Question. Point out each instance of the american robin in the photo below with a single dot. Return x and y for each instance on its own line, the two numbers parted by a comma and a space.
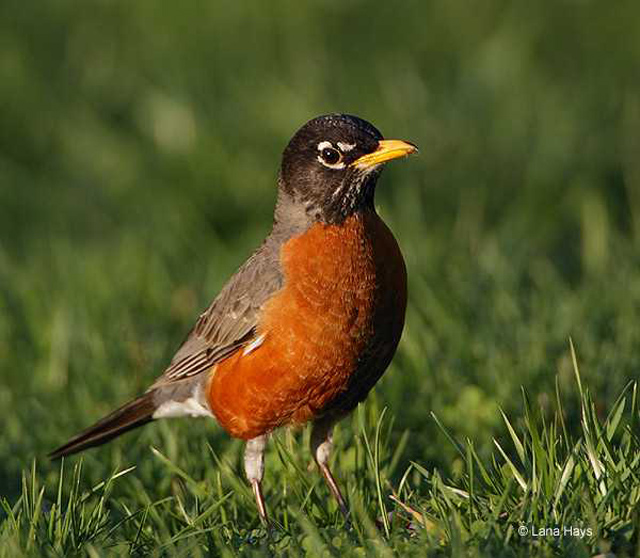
309, 322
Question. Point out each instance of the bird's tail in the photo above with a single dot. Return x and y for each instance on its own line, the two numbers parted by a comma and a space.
131, 415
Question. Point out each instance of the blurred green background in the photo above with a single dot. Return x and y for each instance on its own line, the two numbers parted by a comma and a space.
139, 146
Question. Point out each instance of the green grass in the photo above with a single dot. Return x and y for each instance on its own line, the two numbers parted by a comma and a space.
584, 484
138, 156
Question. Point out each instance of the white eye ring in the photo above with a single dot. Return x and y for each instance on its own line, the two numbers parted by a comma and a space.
328, 146
345, 147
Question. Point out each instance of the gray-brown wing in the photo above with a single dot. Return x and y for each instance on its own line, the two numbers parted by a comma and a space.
230, 321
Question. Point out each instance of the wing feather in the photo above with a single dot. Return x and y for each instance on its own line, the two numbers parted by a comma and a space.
230, 322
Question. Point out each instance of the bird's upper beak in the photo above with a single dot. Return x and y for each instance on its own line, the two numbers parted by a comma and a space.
387, 150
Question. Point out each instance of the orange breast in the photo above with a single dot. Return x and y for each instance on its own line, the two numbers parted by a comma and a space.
329, 333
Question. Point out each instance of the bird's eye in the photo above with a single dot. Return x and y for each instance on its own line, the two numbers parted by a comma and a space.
331, 155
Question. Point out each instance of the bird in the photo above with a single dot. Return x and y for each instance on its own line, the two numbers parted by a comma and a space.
307, 325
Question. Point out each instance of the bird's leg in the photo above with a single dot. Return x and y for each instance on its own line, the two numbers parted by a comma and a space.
254, 469
321, 444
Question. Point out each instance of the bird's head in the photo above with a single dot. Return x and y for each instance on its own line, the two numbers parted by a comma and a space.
332, 163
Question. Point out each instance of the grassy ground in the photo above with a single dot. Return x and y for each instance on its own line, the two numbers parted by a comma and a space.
138, 153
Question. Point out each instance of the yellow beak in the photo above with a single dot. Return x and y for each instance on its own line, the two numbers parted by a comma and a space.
387, 150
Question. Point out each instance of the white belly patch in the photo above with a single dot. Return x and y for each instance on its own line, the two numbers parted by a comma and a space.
190, 407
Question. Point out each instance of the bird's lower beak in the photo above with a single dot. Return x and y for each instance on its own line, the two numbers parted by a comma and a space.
387, 150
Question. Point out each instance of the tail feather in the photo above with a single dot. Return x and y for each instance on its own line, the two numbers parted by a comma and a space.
129, 416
